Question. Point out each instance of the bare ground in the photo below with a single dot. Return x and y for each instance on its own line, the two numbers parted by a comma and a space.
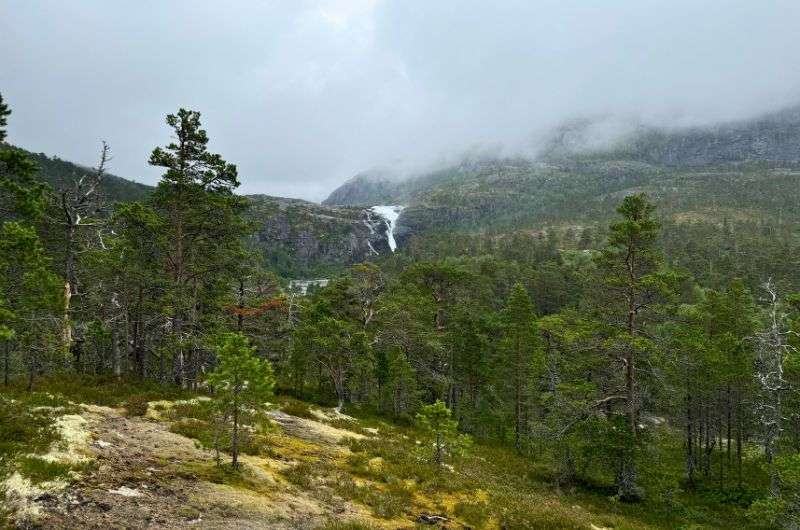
141, 477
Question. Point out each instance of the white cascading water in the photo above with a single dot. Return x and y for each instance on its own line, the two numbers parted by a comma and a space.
390, 214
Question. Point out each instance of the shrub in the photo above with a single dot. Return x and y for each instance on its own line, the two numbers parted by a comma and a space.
23, 430
297, 408
136, 405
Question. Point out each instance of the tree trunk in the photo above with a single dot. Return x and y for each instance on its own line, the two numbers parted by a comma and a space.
138, 350
739, 446
518, 397
689, 439
6, 360
116, 364
66, 325
235, 438
240, 314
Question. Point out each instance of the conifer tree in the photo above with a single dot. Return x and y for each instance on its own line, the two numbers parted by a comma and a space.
241, 382
204, 226
631, 283
520, 357
28, 287
435, 420
4, 113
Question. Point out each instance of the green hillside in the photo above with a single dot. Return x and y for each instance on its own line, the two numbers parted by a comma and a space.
58, 173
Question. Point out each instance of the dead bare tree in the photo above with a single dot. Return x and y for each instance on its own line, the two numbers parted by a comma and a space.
78, 204
772, 348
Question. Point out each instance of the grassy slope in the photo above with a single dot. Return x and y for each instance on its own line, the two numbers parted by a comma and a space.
377, 480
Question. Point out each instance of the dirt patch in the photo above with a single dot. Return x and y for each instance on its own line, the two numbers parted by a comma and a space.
311, 430
144, 476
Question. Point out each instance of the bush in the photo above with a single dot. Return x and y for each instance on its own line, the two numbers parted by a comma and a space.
136, 405
474, 513
297, 408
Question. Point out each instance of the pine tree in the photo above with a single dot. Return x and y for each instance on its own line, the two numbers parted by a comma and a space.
435, 421
4, 113
520, 358
629, 267
204, 226
241, 382
28, 287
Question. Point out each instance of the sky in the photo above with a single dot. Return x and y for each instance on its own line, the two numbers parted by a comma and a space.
303, 94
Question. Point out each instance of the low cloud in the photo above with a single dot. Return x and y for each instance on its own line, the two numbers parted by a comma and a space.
303, 94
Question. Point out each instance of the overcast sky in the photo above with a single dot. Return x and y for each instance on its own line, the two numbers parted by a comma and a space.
302, 94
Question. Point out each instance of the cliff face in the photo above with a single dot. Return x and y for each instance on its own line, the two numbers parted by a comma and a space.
299, 238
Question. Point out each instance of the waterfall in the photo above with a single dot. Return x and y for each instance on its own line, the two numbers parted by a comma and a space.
390, 215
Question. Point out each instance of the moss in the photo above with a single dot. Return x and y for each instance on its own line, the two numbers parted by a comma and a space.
38, 470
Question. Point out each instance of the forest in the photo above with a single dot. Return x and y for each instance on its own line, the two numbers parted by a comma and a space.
636, 366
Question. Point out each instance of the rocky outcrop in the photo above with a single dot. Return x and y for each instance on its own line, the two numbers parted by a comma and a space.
297, 237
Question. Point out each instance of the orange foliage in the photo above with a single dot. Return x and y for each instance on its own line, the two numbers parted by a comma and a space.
269, 305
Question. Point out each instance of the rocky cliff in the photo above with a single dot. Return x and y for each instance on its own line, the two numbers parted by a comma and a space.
299, 238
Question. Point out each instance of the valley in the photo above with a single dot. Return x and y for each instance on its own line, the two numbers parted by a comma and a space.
600, 336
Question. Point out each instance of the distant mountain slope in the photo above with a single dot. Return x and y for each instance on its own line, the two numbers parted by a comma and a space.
57, 172
772, 140
367, 188
295, 238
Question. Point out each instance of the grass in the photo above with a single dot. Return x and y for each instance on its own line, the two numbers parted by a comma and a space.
489, 487
346, 525
38, 470
197, 419
386, 501
210, 472
105, 390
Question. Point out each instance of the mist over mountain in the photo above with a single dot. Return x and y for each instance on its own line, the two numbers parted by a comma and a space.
306, 94
772, 138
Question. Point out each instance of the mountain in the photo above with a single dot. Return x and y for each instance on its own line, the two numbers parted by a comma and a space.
739, 169
772, 138
376, 186
295, 238
57, 172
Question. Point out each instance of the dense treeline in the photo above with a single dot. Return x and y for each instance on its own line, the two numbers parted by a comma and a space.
596, 350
